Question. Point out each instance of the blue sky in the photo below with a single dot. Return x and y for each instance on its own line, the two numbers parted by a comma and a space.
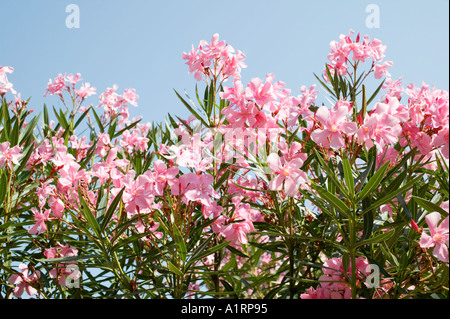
138, 44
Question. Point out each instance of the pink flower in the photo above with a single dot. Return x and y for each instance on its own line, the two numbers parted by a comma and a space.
289, 173
3, 71
61, 272
394, 88
9, 156
216, 58
132, 141
73, 79
108, 168
334, 283
71, 175
24, 281
40, 219
195, 187
162, 174
143, 228
334, 126
130, 96
5, 85
213, 209
381, 69
237, 232
56, 205
56, 86
379, 130
438, 237
261, 93
85, 90
139, 194
103, 144
235, 229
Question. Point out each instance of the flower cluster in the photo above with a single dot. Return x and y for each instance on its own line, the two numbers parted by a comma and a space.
217, 60
334, 283
244, 196
346, 50
5, 85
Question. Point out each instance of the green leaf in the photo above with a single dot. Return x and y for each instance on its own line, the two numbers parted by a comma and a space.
128, 127
201, 253
99, 123
325, 86
364, 103
46, 120
191, 110
82, 117
373, 183
66, 259
330, 173
174, 269
3, 186
237, 252
429, 206
390, 196
24, 160
376, 239
28, 132
111, 209
224, 176
229, 288
273, 292
333, 200
368, 219
361, 179
348, 174
396, 183
179, 241
375, 93
125, 241
88, 214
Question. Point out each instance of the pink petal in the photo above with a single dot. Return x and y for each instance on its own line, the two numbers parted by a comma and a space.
349, 128
426, 241
319, 136
15, 279
273, 160
441, 252
160, 166
295, 164
276, 184
30, 290
323, 115
432, 221
340, 114
18, 291
336, 140
444, 226
290, 187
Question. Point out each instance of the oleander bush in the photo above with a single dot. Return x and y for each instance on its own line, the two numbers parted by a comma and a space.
260, 193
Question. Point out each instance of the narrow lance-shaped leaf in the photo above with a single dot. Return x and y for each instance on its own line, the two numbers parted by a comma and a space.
333, 200
373, 183
348, 174
111, 209
88, 215
179, 241
191, 109
429, 206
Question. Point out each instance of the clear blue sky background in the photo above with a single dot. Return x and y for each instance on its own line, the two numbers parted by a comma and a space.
138, 44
